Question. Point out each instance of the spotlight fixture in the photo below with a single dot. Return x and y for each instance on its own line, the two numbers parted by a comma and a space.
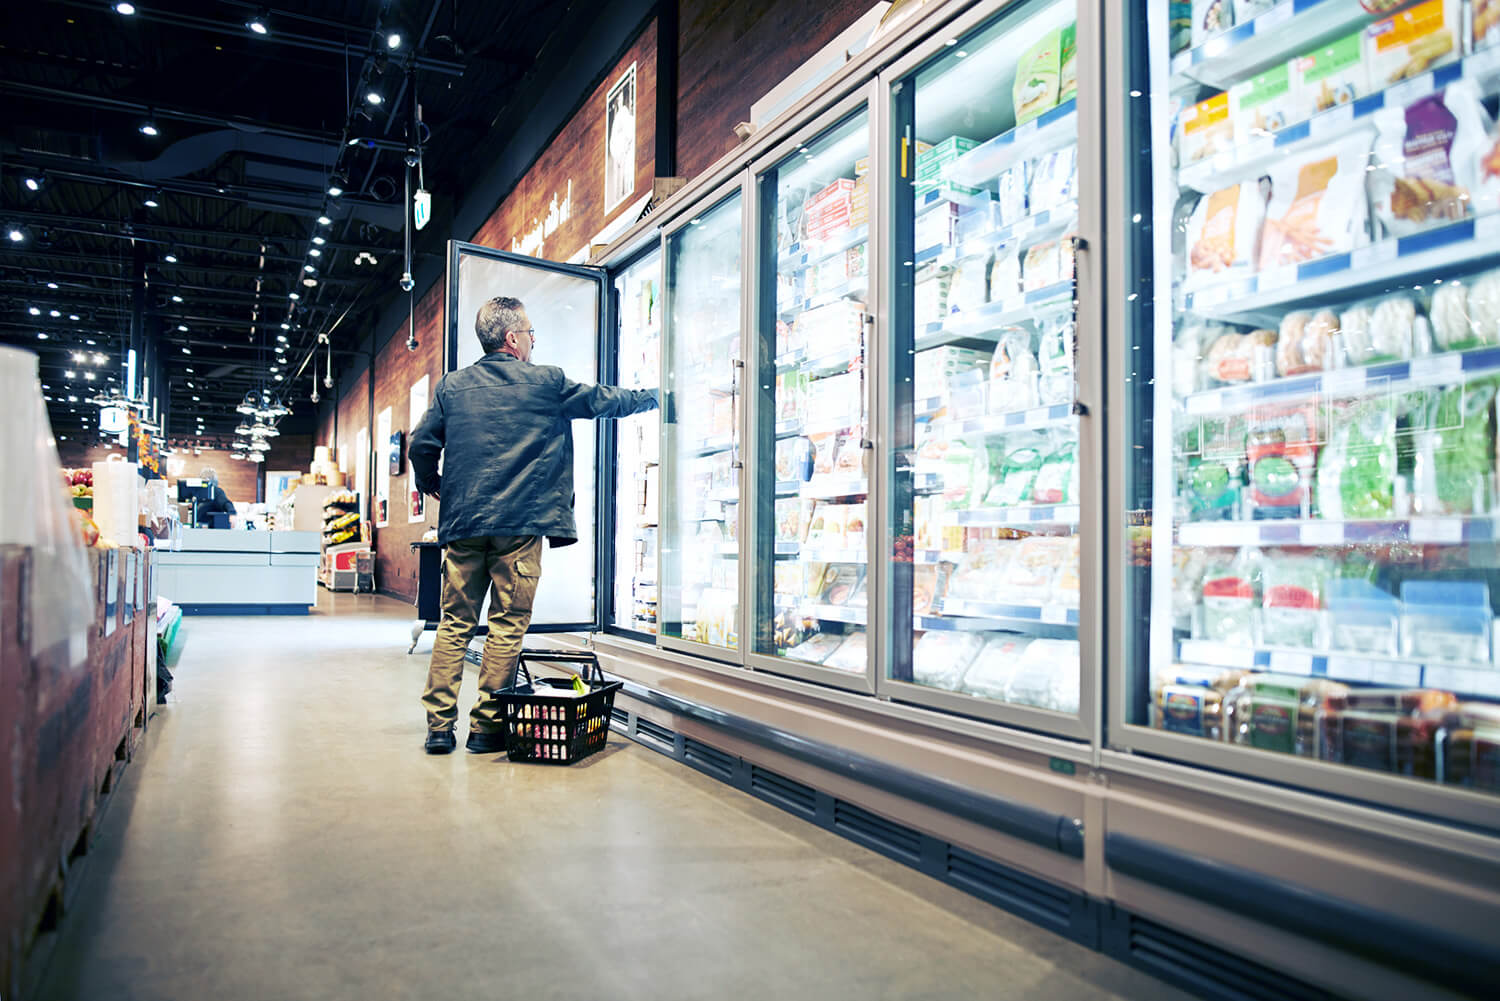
375, 97
187, 351
277, 378
323, 220
314, 252
246, 406
70, 374
33, 184
281, 337
148, 128
318, 240
176, 298
259, 24
293, 296
15, 233
74, 318
336, 184
52, 285
393, 40
41, 336
125, 8
182, 327
54, 313
309, 269
170, 258
151, 201
34, 311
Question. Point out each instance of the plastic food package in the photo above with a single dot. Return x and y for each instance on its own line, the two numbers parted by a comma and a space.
1017, 475
1446, 620
1486, 23
1292, 596
816, 648
1041, 267
1277, 712
1245, 10
1210, 17
1191, 700
1455, 452
925, 588
1054, 178
1305, 342
966, 289
854, 527
1038, 77
1357, 468
1067, 87
1033, 569
1046, 676
936, 227
1213, 484
1484, 307
1264, 104
930, 296
1363, 618
1055, 476
1380, 330
1055, 358
1471, 752
939, 659
1014, 373
990, 672
850, 655
1005, 274
1229, 599
1318, 204
1065, 586
1281, 448
1452, 327
1224, 231
1188, 347
1232, 356
1428, 160
1205, 129
1391, 730
1331, 76
841, 582
982, 570
850, 458
1410, 43
1010, 205
788, 516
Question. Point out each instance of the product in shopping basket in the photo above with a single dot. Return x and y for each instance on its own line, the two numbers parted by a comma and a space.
1292, 595
1205, 129
1331, 76
1046, 676
982, 569
1380, 330
1014, 373
1357, 468
1281, 448
1363, 618
1453, 472
1305, 342
1232, 356
1410, 43
1427, 160
1447, 620
1229, 599
989, 673
1190, 700
1224, 231
1038, 77
940, 658
1388, 729
816, 648
1264, 104
1210, 17
850, 655
1318, 204
1471, 750
1277, 712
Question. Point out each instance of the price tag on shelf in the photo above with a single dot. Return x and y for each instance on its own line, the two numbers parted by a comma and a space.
1287, 662
1335, 120
1322, 533
1408, 91
1217, 654
1376, 253
1446, 531
1343, 382
1349, 668
1036, 417
1464, 680
1055, 615
1437, 369
1394, 672
1026, 131
1277, 278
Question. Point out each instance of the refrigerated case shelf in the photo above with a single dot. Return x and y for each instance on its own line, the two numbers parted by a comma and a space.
1055, 615
1462, 679
1007, 517
708, 446
932, 198
845, 359
988, 321
1032, 228
814, 555
1019, 420
800, 256
1053, 130
858, 286
1290, 28
1319, 532
1340, 276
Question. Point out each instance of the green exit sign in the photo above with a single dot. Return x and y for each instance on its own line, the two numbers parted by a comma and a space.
1063, 766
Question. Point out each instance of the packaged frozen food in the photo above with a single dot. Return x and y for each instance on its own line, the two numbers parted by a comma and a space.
1055, 476
1357, 468
1484, 307
1065, 585
940, 658
1046, 676
1471, 750
1292, 596
1005, 273
1277, 712
967, 287
827, 529
959, 487
1229, 599
1011, 202
1389, 729
825, 448
1362, 618
788, 519
1231, 357
1409, 43
1210, 17
1281, 448
854, 527
1188, 347
1033, 569
1378, 331
924, 588
1055, 360
786, 459
1224, 232
1018, 474
850, 655
930, 295
1205, 129
983, 567
1067, 87
816, 648
1246, 10
1486, 23
1447, 620
1192, 701
1427, 159
1214, 480
1041, 267
1305, 342
786, 580
842, 581
1264, 104
990, 671
1318, 205
1330, 76
815, 579
1014, 373
1180, 25
1038, 77
1054, 178
1452, 327
1453, 471
850, 458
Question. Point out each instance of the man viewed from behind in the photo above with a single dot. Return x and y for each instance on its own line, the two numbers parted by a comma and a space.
502, 426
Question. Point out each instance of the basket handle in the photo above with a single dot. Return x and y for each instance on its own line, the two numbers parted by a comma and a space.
586, 659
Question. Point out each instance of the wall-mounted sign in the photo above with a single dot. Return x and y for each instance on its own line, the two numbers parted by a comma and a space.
619, 140
559, 211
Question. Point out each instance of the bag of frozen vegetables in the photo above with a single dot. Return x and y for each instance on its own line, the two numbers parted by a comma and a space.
1357, 468
1456, 451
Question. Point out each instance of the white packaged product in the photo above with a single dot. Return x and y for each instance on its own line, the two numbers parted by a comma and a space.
1054, 178
850, 656
1029, 579
1204, 129
1305, 341
1042, 267
1014, 373
1005, 273
990, 672
1486, 23
1210, 17
1428, 154
1410, 43
1264, 104
1010, 202
966, 289
1380, 330
982, 569
1484, 307
1046, 676
1331, 76
1452, 327
1055, 357
939, 659
1224, 231
1245, 10
1318, 204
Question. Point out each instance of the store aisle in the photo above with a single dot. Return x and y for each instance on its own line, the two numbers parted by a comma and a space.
283, 836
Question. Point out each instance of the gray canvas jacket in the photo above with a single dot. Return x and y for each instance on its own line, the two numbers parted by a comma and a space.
508, 468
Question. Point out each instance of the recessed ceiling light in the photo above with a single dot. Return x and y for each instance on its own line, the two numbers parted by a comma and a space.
52, 284
393, 40
70, 374
277, 378
176, 298
335, 190
15, 234
41, 336
148, 128
375, 97
53, 313
312, 251
125, 8
281, 337
182, 327
293, 296
34, 311
186, 351
323, 220
309, 269
33, 184
259, 24
188, 370
319, 240
74, 318
195, 400
151, 202
89, 343
170, 258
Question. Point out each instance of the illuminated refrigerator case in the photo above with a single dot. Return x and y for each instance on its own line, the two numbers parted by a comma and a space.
637, 291
699, 590
985, 464
1310, 365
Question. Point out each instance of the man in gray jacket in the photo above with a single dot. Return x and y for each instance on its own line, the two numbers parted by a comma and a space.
502, 425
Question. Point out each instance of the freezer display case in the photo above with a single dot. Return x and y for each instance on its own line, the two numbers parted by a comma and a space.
638, 301
812, 483
1313, 357
699, 537
985, 476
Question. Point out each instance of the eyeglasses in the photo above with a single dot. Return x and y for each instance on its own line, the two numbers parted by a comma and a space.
529, 332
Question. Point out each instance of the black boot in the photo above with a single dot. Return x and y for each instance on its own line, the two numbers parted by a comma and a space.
440, 741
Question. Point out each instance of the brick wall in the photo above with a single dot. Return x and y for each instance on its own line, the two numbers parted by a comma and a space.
240, 480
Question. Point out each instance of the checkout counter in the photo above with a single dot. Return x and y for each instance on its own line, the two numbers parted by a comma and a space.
217, 572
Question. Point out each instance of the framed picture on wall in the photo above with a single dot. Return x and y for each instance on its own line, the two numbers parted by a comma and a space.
619, 140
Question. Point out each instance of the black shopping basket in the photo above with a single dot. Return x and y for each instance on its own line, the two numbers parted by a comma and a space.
546, 720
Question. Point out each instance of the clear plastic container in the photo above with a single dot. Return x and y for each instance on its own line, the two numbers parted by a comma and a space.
1446, 620
1363, 619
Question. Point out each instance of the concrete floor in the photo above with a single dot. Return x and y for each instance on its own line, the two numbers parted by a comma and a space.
282, 835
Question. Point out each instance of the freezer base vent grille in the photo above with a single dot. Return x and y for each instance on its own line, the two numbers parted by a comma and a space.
1031, 898
709, 759
784, 792
877, 832
1207, 970
655, 731
620, 716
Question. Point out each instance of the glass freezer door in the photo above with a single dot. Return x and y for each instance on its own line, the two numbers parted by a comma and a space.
1313, 352
985, 505
566, 305
699, 594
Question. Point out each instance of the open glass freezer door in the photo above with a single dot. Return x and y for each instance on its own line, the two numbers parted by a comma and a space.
699, 590
566, 305
812, 439
1312, 346
985, 500
637, 445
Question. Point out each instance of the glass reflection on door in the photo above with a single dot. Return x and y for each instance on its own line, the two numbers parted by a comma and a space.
637, 447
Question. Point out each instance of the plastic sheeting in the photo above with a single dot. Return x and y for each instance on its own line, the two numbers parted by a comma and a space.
35, 512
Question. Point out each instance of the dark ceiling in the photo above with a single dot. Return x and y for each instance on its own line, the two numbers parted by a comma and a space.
250, 130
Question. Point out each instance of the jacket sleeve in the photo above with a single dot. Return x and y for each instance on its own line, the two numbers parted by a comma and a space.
580, 401
426, 445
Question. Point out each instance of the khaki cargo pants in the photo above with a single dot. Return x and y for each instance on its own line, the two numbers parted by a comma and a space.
508, 567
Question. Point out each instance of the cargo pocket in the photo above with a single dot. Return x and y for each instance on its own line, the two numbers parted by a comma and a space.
528, 573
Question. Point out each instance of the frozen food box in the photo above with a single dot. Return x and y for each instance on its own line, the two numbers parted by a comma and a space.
1429, 161
1067, 87
1264, 104
1205, 129
1413, 41
1330, 76
936, 226
1038, 77
1277, 712
842, 582
933, 161
1486, 23
1318, 203
1224, 232
1190, 700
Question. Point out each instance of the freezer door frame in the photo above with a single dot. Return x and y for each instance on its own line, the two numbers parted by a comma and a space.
457, 248
1085, 725
863, 97
1221, 763
734, 186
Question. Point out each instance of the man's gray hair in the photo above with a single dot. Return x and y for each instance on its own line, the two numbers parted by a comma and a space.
495, 317
209, 476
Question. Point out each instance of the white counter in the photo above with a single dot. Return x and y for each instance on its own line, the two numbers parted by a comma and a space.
229, 572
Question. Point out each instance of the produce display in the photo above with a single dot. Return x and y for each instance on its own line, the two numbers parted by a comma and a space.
341, 521
637, 462
1331, 384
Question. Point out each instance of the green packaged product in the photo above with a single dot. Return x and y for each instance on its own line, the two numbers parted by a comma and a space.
1455, 452
1293, 594
1018, 474
1357, 468
1055, 478
1229, 588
